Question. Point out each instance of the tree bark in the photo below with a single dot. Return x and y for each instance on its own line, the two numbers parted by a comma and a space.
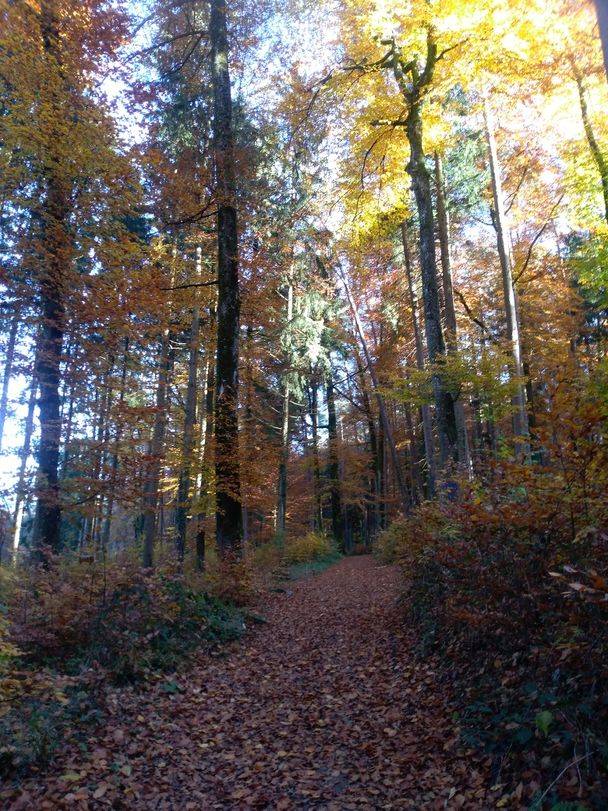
8, 368
520, 416
425, 411
316, 466
594, 147
388, 432
333, 467
414, 84
55, 258
451, 325
21, 491
227, 473
185, 476
157, 446
284, 461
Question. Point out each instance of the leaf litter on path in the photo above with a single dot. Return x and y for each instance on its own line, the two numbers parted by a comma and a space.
322, 707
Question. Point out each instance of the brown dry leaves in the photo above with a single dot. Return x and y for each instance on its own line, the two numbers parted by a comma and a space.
324, 707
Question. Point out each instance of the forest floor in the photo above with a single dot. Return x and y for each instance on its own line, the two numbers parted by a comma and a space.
325, 706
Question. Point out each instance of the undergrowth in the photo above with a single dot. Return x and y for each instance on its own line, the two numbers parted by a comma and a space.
516, 604
77, 626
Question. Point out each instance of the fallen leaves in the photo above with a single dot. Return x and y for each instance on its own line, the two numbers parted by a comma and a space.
322, 707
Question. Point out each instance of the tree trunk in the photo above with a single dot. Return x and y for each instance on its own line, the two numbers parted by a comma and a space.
451, 325
444, 404
316, 466
388, 433
107, 522
520, 416
21, 492
333, 467
227, 473
427, 423
157, 445
376, 466
55, 258
594, 147
185, 477
282, 479
8, 368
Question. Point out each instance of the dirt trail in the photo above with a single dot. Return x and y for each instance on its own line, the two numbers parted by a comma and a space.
324, 707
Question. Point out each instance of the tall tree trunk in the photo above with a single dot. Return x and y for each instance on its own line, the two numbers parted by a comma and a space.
185, 477
594, 147
601, 7
316, 466
520, 416
451, 325
107, 522
333, 466
157, 446
284, 461
55, 258
227, 473
8, 367
207, 434
21, 492
427, 423
421, 183
388, 432
376, 466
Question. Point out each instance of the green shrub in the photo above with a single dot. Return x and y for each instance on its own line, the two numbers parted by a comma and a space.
307, 547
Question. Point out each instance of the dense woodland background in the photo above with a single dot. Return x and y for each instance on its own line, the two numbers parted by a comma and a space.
272, 275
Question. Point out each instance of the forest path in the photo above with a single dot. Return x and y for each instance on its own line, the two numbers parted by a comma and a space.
324, 707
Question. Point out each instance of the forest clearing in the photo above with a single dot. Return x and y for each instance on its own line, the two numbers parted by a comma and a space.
303, 404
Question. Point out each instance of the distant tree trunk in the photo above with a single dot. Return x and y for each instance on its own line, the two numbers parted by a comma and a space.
451, 324
316, 466
427, 423
594, 147
414, 95
227, 456
376, 466
107, 522
185, 477
21, 491
388, 432
48, 368
520, 416
157, 446
284, 461
333, 466
8, 367
207, 410
601, 7
56, 251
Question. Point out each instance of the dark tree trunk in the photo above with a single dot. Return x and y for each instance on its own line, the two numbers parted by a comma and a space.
21, 491
316, 466
333, 467
414, 84
601, 7
55, 259
185, 476
421, 183
503, 240
594, 147
404, 496
425, 411
451, 325
228, 496
284, 461
8, 367
157, 446
376, 461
